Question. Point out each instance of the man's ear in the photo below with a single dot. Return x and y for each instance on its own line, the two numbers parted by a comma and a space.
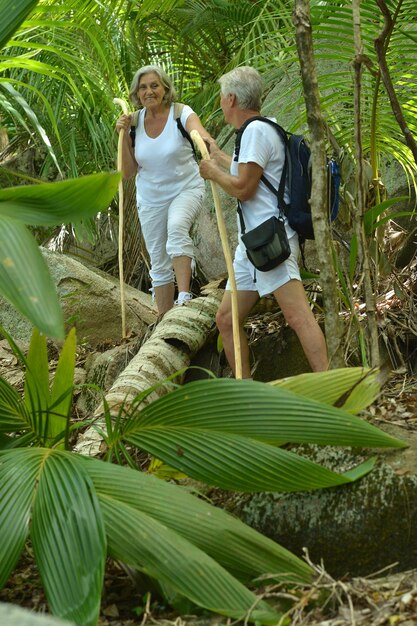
232, 99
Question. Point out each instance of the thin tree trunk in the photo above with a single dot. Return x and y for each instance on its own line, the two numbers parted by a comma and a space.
364, 264
170, 348
321, 225
381, 45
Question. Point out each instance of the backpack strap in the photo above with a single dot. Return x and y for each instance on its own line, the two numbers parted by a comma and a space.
178, 108
279, 193
133, 125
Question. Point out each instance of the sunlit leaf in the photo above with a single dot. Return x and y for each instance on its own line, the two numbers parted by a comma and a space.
350, 388
61, 202
25, 280
12, 15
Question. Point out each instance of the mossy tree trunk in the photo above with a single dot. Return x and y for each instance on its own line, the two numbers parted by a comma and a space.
319, 198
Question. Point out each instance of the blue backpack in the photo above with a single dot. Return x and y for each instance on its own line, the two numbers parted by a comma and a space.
297, 165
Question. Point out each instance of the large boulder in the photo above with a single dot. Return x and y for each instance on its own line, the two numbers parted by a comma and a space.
356, 529
90, 300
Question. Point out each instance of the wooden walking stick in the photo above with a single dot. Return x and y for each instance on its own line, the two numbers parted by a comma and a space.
198, 140
125, 110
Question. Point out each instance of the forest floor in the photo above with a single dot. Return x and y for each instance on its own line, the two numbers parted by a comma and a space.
377, 600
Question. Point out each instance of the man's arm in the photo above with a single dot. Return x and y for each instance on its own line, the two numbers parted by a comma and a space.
243, 186
216, 154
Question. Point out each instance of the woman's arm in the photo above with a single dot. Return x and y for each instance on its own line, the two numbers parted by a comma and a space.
129, 163
193, 123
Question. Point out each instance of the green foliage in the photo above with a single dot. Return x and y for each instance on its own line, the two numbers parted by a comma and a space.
24, 277
224, 446
42, 414
11, 19
76, 510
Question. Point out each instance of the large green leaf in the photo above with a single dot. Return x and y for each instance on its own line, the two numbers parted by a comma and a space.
262, 412
234, 462
240, 549
219, 430
18, 473
68, 537
36, 389
25, 280
24, 277
49, 409
157, 527
49, 492
61, 392
12, 15
352, 389
61, 202
166, 556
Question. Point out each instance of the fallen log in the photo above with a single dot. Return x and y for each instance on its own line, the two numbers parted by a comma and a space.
172, 344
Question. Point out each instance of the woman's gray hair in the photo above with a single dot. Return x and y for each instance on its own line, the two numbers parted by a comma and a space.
170, 94
246, 84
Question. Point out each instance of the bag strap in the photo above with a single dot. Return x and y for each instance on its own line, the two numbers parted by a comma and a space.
279, 193
135, 117
242, 221
133, 125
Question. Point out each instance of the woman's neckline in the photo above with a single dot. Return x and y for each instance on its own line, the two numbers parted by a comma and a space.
157, 126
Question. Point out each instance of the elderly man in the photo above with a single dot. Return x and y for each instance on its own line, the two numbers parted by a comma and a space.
261, 153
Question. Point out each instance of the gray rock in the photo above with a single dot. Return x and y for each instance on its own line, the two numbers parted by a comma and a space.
11, 615
90, 300
356, 529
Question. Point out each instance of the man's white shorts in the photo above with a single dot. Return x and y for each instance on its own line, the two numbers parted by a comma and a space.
250, 279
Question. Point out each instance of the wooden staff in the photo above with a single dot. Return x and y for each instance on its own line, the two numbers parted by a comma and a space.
197, 139
125, 110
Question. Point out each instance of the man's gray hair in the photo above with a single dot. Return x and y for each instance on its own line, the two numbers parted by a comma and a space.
170, 94
246, 84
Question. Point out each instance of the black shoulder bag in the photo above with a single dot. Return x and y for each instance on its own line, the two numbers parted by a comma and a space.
267, 245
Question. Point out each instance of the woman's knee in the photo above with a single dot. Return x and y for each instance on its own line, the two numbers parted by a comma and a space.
179, 243
162, 271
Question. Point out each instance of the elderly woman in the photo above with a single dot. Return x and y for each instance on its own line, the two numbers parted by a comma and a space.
169, 189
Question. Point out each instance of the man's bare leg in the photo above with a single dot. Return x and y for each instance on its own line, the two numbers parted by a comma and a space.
246, 301
294, 304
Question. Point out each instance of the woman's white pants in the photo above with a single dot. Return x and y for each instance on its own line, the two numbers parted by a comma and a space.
166, 231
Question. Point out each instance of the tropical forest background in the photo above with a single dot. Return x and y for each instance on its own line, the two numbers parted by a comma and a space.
344, 72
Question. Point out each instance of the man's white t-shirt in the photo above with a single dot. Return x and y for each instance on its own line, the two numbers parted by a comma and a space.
261, 144
166, 165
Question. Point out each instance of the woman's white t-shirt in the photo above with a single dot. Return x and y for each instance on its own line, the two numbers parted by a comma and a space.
261, 144
166, 165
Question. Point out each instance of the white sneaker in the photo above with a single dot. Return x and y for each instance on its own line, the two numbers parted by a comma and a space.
183, 297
